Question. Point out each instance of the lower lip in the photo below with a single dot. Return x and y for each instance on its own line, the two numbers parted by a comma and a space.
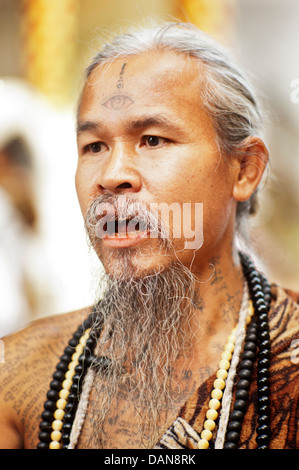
125, 241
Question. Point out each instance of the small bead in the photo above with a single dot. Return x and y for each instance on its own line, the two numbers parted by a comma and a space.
264, 400
264, 353
55, 384
249, 346
44, 425
219, 384
263, 429
234, 425
214, 404
49, 405
245, 374
78, 370
241, 394
264, 362
209, 424
216, 393
64, 393
54, 445
62, 366
59, 414
264, 409
73, 342
56, 436
69, 374
52, 395
226, 355
221, 374
67, 383
233, 436
68, 417
265, 344
264, 372
44, 436
68, 407
203, 444
83, 340
243, 384
72, 398
57, 425
42, 445
79, 348
206, 434
229, 347
65, 438
237, 415
264, 335
67, 427
59, 375
212, 414
263, 439
230, 445
264, 390
61, 403
240, 405
263, 419
74, 388
251, 337
47, 415
246, 364
75, 356
69, 351
248, 355
224, 364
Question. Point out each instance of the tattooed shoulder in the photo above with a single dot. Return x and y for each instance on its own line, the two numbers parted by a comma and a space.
30, 357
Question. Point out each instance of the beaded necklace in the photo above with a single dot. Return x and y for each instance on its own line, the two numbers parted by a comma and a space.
66, 387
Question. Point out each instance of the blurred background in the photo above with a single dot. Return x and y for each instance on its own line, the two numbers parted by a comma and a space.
45, 263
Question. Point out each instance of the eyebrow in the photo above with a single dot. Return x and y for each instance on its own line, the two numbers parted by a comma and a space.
88, 126
140, 123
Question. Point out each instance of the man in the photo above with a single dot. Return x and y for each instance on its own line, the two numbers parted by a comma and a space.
189, 347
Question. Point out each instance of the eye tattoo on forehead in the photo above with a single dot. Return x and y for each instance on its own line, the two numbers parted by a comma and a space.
119, 101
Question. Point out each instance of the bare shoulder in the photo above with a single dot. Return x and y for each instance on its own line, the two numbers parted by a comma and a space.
30, 357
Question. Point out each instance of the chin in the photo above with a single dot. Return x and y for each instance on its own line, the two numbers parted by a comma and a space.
129, 264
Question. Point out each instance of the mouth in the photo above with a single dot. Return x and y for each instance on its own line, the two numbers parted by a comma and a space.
122, 232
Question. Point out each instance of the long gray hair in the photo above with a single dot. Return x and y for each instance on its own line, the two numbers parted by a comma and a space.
228, 96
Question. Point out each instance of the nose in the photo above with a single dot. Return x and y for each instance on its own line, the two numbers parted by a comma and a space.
119, 174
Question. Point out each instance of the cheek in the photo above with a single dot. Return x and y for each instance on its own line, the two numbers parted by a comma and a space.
83, 189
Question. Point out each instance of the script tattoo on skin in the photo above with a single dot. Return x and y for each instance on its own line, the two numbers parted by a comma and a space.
119, 100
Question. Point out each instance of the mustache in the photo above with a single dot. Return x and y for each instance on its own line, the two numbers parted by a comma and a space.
108, 214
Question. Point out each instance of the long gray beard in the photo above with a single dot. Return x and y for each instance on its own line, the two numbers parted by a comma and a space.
147, 326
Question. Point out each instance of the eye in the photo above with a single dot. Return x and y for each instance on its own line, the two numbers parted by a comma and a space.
94, 148
153, 140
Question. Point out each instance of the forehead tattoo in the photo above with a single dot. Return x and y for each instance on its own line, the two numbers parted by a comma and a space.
119, 100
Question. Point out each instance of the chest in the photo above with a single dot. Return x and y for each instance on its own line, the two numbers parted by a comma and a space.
126, 420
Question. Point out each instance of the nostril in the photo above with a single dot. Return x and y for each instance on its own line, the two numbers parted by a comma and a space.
124, 186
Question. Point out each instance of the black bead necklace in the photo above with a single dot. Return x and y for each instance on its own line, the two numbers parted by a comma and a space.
85, 360
257, 339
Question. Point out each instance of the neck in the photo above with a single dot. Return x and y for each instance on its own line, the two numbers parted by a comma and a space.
219, 292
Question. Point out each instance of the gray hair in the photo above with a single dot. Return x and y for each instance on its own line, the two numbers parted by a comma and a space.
228, 97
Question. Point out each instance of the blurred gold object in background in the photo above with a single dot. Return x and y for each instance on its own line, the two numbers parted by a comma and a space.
49, 30
214, 17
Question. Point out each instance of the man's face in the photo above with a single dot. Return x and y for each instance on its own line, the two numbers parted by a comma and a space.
143, 134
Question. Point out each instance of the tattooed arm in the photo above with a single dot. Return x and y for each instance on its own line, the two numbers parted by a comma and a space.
30, 357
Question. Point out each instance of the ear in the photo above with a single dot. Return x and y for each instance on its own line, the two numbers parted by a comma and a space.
252, 163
